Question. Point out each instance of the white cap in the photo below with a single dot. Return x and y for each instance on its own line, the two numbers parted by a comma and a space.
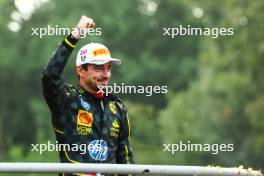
95, 53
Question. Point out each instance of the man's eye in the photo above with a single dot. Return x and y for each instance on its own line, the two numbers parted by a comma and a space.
97, 67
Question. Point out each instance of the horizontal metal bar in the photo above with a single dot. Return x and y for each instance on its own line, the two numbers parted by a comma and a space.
123, 169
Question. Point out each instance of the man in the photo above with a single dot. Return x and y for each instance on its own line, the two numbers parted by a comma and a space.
83, 115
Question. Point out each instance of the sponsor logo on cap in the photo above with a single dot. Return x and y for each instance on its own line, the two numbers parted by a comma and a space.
101, 52
83, 54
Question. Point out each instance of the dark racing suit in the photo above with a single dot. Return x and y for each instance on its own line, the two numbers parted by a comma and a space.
81, 119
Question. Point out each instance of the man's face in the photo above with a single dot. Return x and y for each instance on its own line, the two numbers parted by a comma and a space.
95, 76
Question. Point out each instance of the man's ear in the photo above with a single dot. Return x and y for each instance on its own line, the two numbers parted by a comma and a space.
79, 71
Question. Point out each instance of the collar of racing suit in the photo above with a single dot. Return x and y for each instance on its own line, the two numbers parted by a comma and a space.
98, 95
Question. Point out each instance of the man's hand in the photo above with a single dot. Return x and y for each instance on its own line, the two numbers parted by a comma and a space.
83, 26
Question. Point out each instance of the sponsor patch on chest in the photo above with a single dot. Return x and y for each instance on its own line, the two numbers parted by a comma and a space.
84, 122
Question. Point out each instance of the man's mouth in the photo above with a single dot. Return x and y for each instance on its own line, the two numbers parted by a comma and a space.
103, 82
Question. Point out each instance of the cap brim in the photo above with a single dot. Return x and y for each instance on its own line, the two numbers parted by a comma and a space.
101, 62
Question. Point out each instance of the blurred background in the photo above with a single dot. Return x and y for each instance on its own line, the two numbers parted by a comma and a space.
215, 86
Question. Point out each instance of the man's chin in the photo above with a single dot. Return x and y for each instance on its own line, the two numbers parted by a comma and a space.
102, 85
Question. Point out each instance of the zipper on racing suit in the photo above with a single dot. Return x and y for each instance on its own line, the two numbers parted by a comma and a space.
102, 124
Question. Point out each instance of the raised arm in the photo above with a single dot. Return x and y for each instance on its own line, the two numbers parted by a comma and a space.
54, 88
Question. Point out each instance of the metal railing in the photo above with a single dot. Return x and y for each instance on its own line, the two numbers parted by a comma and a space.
124, 169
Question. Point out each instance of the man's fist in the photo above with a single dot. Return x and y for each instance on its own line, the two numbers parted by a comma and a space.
83, 26
85, 22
